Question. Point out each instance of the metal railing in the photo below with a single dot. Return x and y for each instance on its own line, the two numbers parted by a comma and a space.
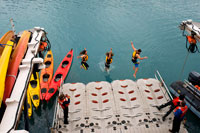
158, 76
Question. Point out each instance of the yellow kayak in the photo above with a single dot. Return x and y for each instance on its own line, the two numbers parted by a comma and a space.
4, 39
4, 61
29, 104
34, 90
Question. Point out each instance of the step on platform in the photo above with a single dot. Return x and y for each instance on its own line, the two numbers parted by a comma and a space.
124, 106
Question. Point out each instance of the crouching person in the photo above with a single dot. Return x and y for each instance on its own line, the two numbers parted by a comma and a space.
64, 101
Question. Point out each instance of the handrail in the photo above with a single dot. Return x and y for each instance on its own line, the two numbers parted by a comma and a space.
162, 81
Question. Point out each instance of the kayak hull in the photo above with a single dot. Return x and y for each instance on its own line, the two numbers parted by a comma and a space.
60, 75
46, 74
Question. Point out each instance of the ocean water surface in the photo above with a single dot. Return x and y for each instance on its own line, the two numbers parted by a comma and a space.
99, 25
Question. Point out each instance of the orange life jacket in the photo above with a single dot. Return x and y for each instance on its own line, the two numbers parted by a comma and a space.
64, 100
191, 40
176, 100
43, 45
183, 109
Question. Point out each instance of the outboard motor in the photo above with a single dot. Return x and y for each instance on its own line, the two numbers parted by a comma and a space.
194, 78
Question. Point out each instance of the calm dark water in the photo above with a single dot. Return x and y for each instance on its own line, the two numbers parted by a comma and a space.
99, 25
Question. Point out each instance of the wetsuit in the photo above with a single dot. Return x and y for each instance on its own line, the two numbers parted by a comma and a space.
83, 62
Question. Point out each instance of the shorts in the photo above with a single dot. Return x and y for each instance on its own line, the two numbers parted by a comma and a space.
85, 65
135, 63
107, 65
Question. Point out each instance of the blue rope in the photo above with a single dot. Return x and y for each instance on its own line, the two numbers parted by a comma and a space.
3, 45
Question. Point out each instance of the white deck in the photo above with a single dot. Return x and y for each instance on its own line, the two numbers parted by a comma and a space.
123, 106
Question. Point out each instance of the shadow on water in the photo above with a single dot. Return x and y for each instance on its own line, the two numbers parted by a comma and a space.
108, 78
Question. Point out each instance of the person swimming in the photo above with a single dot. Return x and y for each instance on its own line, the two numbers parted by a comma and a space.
83, 55
109, 59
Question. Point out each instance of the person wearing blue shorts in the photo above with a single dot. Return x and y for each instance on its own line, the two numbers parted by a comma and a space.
135, 57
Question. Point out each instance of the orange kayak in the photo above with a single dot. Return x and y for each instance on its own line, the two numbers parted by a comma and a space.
14, 63
46, 74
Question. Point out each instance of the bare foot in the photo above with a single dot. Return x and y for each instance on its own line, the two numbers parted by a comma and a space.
134, 75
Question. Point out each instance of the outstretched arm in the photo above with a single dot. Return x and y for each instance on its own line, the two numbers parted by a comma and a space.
133, 46
141, 58
80, 56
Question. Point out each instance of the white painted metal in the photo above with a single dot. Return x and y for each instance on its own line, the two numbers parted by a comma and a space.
124, 106
16, 100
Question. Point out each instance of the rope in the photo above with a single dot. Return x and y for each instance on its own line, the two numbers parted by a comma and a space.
3, 45
184, 65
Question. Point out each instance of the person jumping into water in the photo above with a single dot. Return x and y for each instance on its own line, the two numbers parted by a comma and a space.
109, 56
135, 56
84, 56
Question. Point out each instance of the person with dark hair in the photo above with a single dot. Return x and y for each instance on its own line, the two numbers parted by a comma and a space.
179, 113
173, 104
109, 59
135, 56
84, 56
64, 101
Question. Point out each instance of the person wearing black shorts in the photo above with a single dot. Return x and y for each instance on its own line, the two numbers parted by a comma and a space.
109, 59
84, 56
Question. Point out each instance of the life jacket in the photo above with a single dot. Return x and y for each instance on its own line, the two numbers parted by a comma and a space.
43, 45
191, 40
109, 61
183, 109
176, 100
85, 58
67, 98
134, 57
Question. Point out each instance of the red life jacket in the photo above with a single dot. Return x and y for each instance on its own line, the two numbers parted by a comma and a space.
191, 40
43, 45
176, 100
183, 109
62, 101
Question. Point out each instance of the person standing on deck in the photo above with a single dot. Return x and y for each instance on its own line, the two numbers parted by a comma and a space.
64, 101
179, 113
84, 56
173, 104
109, 59
135, 57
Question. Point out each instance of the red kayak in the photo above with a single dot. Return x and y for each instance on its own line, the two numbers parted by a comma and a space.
14, 63
60, 75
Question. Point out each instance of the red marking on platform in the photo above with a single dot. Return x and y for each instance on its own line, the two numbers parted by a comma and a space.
77, 95
145, 78
133, 99
94, 101
98, 81
130, 92
148, 85
72, 89
124, 86
105, 101
122, 80
150, 98
98, 88
73, 83
120, 92
160, 97
77, 102
105, 93
147, 91
157, 90
122, 99
94, 94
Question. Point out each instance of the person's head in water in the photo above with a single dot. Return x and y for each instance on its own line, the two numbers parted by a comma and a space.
83, 52
139, 51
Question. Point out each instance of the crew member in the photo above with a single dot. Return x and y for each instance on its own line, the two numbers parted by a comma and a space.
64, 101
109, 59
192, 42
43, 45
173, 104
84, 56
179, 114
135, 57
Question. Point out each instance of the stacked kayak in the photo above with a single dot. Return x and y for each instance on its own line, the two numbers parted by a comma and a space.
4, 39
29, 104
14, 63
46, 74
34, 90
4, 61
60, 75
